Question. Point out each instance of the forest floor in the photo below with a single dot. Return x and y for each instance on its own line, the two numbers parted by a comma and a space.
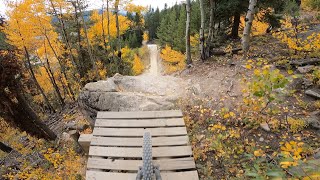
227, 136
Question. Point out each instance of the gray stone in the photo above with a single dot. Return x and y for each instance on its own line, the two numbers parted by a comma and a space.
102, 86
305, 69
317, 154
131, 93
314, 119
196, 89
265, 126
314, 93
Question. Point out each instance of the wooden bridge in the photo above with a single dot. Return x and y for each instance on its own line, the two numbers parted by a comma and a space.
116, 145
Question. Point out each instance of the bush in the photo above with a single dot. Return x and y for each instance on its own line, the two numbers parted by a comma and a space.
173, 60
313, 4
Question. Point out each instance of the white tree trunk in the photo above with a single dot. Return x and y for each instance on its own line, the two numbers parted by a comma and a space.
202, 54
188, 51
247, 29
211, 21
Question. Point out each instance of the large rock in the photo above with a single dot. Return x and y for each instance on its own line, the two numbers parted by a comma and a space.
131, 93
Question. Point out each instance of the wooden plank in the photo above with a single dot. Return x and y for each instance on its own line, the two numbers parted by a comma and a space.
96, 175
84, 141
132, 165
175, 151
140, 123
138, 132
139, 114
156, 141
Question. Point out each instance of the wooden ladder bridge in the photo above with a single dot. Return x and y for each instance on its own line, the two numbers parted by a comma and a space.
116, 145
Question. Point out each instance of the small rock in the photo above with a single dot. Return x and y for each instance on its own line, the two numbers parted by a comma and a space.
196, 89
314, 120
261, 139
317, 154
305, 69
313, 92
265, 126
199, 137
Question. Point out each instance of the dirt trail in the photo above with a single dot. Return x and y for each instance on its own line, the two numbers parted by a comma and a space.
154, 69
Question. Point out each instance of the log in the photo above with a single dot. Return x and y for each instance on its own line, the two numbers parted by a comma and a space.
222, 53
303, 62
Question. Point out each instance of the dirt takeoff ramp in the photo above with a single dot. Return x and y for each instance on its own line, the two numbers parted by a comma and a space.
116, 146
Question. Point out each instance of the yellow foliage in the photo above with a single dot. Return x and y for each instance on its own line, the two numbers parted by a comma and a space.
145, 36
194, 40
137, 65
63, 164
43, 79
258, 27
293, 150
258, 153
173, 60
135, 8
129, 55
296, 125
290, 37
95, 32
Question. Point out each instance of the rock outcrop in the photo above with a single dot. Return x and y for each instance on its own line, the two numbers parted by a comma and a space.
131, 93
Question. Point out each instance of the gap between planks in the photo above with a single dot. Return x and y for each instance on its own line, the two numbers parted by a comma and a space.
96, 175
156, 141
136, 152
139, 114
140, 123
138, 132
132, 165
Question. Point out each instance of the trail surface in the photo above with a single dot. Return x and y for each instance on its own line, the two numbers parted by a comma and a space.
154, 69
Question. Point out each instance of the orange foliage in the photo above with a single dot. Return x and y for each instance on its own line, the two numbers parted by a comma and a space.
258, 27
173, 60
95, 32
137, 65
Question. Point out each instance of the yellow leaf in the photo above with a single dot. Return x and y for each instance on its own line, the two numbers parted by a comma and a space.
290, 71
248, 66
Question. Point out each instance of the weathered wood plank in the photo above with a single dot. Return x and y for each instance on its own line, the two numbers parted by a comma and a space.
175, 151
96, 175
84, 141
138, 132
132, 165
139, 114
140, 123
156, 141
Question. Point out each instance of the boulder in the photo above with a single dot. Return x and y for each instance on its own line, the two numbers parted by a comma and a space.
131, 93
305, 69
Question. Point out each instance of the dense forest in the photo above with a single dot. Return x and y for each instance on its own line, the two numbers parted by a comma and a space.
50, 50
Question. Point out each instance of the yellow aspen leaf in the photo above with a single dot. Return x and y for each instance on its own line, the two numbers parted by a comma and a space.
248, 66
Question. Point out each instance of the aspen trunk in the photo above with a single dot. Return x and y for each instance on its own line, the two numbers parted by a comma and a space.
92, 59
50, 74
102, 24
202, 38
188, 51
46, 100
211, 21
117, 26
62, 68
247, 29
65, 37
